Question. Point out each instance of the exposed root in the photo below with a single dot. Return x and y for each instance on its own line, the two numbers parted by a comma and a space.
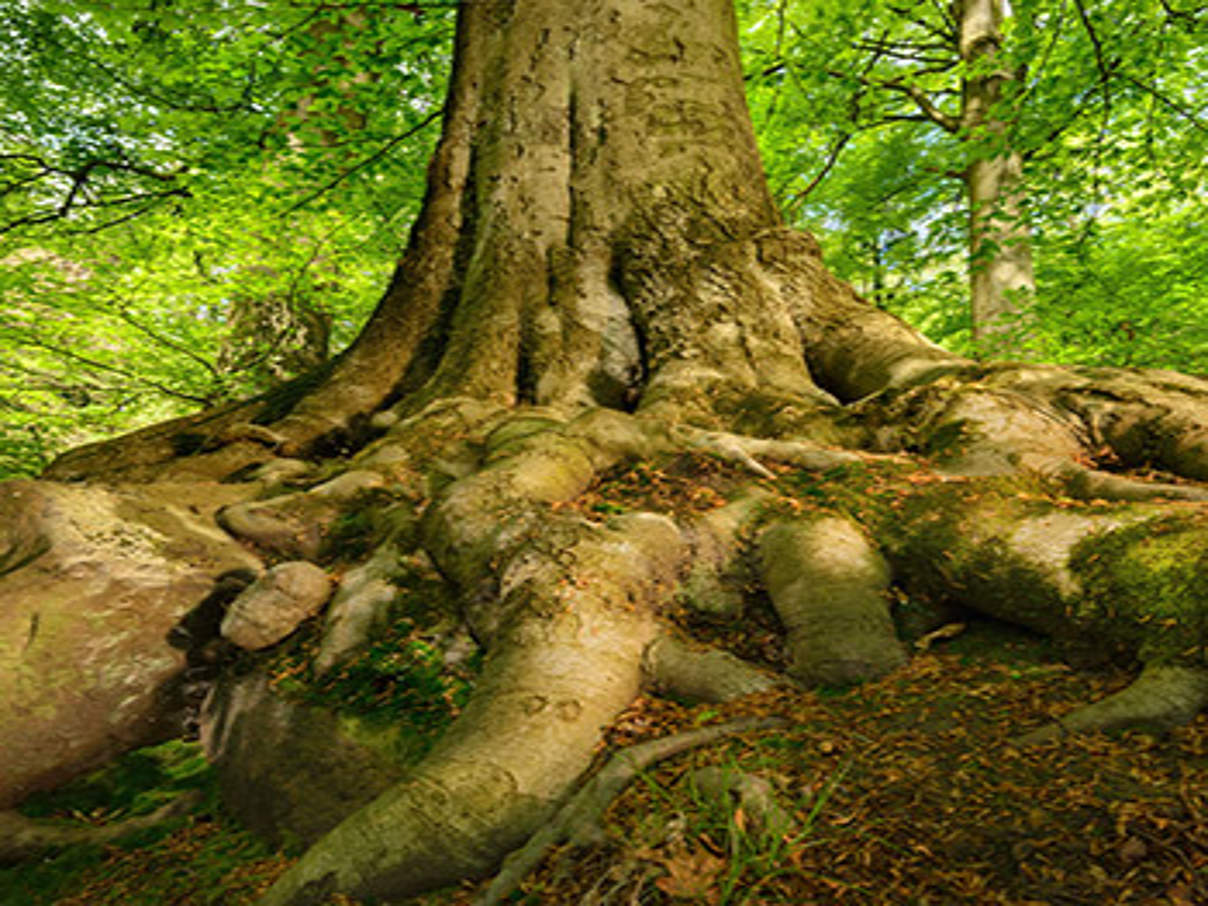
707, 675
1005, 419
556, 599
578, 820
1162, 697
22, 838
829, 586
361, 605
292, 525
1123, 582
717, 571
742, 450
1092, 484
594, 244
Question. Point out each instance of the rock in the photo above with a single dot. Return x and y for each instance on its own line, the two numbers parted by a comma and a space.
91, 581
274, 605
384, 420
288, 770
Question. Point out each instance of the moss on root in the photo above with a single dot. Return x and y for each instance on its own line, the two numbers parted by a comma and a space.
1148, 580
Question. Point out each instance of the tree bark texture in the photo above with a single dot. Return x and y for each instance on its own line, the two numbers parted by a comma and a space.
598, 278
1001, 277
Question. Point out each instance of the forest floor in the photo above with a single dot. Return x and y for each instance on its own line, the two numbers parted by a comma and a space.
903, 791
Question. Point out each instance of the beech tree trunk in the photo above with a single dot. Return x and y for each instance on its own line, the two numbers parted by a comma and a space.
1001, 279
598, 277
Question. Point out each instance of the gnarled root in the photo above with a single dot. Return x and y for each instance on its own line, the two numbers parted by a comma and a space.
567, 613
23, 838
702, 675
1162, 697
754, 795
578, 820
527, 734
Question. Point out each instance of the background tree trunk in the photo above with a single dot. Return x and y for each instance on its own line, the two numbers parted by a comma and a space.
1001, 280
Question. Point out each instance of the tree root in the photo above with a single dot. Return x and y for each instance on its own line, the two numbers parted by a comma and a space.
1092, 484
742, 450
361, 605
22, 838
556, 596
829, 586
1162, 697
291, 525
707, 675
578, 820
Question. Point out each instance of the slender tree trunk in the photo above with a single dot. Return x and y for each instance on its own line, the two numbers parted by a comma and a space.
1002, 283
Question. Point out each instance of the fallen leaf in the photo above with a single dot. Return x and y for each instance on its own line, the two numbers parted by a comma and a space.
691, 876
1133, 850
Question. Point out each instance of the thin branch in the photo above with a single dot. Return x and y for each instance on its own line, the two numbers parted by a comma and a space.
831, 159
1105, 69
114, 369
371, 159
1174, 105
578, 818
916, 94
1077, 109
125, 315
1034, 70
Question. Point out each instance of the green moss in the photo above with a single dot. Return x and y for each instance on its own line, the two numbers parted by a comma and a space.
367, 520
194, 859
681, 484
135, 784
947, 439
1150, 580
47, 879
508, 437
949, 542
399, 688
869, 493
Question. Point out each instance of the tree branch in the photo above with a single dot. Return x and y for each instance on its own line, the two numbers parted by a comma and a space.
916, 94
125, 315
114, 369
371, 159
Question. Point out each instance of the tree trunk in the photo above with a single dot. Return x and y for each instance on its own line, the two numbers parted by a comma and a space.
1000, 245
599, 277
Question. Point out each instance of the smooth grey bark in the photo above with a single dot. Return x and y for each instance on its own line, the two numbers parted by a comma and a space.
1001, 278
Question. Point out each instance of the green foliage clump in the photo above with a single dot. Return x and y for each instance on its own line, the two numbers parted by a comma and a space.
196, 206
135, 784
1104, 108
400, 681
